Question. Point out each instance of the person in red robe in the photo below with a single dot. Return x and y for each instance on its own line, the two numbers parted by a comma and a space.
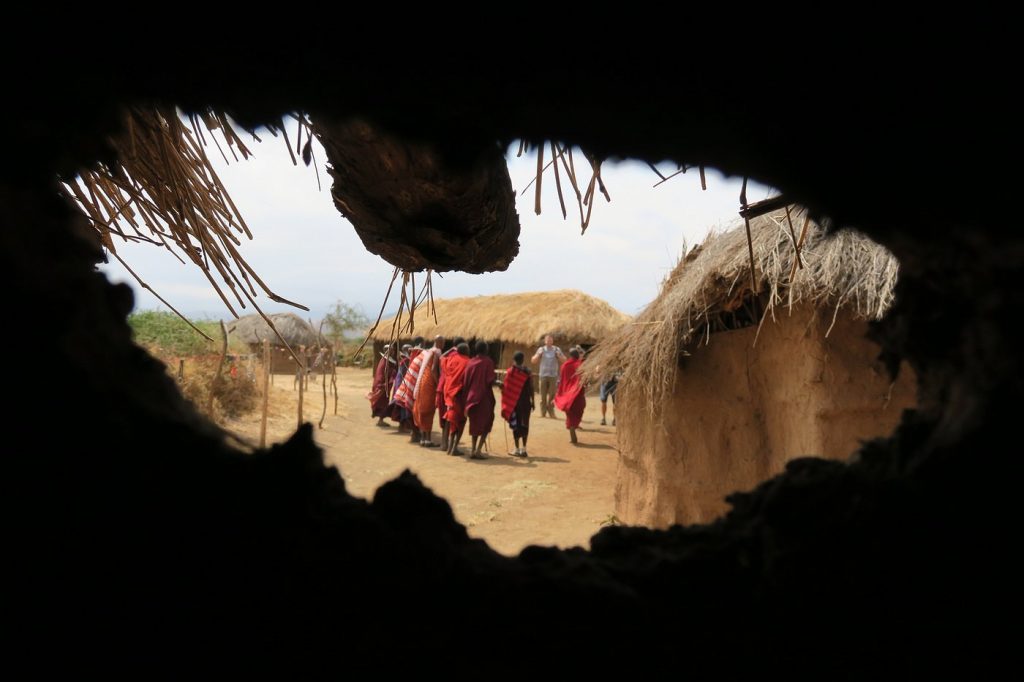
455, 403
517, 401
479, 396
383, 378
395, 411
570, 396
425, 394
404, 395
442, 409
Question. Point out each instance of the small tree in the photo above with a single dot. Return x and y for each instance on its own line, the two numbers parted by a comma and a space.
341, 320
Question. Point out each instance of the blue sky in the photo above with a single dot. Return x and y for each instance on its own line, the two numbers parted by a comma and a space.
305, 251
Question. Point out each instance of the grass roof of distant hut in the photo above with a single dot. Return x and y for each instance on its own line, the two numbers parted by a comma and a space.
253, 329
711, 287
569, 315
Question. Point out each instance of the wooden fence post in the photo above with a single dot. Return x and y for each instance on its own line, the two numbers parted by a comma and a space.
266, 392
220, 366
302, 377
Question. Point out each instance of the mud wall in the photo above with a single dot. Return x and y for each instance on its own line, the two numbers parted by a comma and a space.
743, 408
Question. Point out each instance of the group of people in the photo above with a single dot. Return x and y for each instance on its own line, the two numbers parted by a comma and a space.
414, 383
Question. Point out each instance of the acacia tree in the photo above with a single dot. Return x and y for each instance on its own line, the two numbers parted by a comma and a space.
341, 320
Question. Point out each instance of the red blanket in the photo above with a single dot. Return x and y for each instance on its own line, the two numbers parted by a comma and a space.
570, 397
454, 377
515, 379
382, 380
425, 403
479, 395
403, 396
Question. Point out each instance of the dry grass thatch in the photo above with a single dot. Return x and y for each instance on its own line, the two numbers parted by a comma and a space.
253, 329
711, 286
162, 189
518, 318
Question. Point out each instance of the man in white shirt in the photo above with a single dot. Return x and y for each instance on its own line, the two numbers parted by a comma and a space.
550, 357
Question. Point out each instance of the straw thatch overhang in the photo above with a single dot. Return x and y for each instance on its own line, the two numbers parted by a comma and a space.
710, 290
517, 318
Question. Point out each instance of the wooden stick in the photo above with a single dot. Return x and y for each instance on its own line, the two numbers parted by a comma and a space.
302, 376
323, 381
750, 251
394, 276
558, 183
533, 179
288, 144
266, 392
759, 208
663, 181
334, 379
159, 297
703, 180
600, 183
570, 172
220, 366
792, 234
540, 177
800, 242
316, 170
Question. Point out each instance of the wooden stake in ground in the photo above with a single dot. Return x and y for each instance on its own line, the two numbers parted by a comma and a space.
266, 392
181, 370
302, 376
322, 357
220, 366
334, 381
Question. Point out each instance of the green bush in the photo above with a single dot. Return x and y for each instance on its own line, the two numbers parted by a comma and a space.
165, 334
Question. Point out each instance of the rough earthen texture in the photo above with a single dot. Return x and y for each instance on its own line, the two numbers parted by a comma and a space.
899, 565
415, 211
742, 410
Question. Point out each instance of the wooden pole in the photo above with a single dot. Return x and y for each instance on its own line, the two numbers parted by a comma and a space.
181, 370
266, 392
334, 381
302, 377
220, 366
323, 380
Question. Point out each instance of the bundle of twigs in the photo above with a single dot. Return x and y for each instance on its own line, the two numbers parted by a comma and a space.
562, 155
404, 322
163, 190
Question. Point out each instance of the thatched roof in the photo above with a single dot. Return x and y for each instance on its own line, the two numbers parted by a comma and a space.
711, 284
253, 329
518, 318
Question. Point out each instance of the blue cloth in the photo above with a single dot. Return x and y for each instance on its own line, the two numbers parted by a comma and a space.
608, 389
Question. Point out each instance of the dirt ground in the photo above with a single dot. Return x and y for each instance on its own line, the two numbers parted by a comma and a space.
560, 496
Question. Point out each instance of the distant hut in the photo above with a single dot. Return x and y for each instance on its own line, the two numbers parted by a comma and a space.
512, 322
253, 329
722, 385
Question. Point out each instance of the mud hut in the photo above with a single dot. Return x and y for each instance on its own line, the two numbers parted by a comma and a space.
724, 381
253, 329
512, 322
